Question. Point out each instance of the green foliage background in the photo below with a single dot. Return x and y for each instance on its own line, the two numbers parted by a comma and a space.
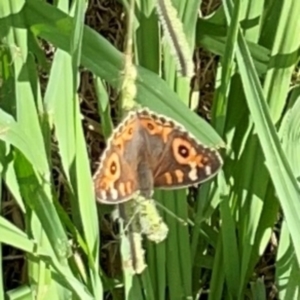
256, 112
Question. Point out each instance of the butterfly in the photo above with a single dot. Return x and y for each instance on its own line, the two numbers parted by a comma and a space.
147, 151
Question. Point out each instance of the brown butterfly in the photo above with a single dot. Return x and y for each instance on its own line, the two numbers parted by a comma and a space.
148, 151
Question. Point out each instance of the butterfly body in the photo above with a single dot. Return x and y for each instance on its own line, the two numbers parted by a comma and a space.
147, 150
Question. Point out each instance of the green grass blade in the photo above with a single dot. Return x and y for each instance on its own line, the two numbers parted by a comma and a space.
287, 267
106, 62
258, 290
60, 108
289, 132
87, 203
220, 102
103, 107
230, 246
13, 236
218, 275
85, 190
20, 293
148, 31
286, 186
211, 34
285, 53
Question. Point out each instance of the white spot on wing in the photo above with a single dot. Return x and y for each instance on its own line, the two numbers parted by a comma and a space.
103, 195
114, 194
208, 170
193, 174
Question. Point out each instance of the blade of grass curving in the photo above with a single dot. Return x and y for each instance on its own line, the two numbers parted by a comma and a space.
211, 34
60, 105
285, 53
27, 118
15, 135
60, 111
34, 188
61, 274
72, 143
287, 270
285, 184
106, 62
65, 278
9, 174
60, 108
12, 133
103, 107
287, 267
85, 191
11, 235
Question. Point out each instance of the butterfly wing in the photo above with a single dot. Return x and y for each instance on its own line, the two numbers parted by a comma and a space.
185, 162
115, 181
177, 159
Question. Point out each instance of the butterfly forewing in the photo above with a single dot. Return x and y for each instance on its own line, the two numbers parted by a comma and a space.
178, 159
